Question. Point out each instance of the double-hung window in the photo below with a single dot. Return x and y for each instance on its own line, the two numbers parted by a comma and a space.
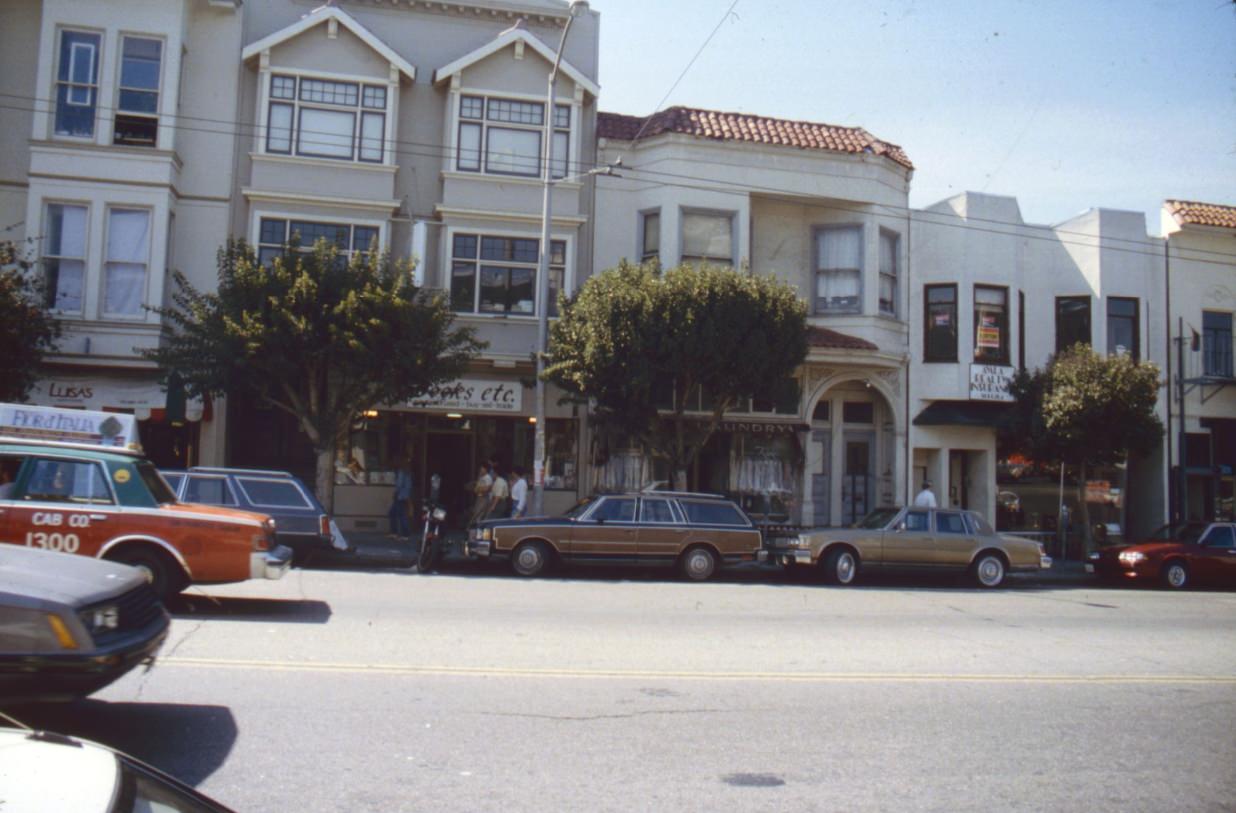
64, 257
1072, 321
650, 236
492, 274
1122, 327
128, 258
940, 323
708, 238
503, 137
1217, 344
137, 104
888, 272
991, 325
275, 234
320, 118
838, 270
77, 83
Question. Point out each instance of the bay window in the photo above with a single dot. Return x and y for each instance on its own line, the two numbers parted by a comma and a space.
320, 118
275, 234
128, 257
77, 83
888, 272
137, 105
708, 237
991, 325
838, 270
64, 257
491, 274
503, 137
940, 323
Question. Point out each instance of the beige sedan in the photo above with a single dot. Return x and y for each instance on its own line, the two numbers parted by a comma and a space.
929, 539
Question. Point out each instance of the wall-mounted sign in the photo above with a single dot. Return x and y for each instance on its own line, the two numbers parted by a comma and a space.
474, 395
990, 382
140, 395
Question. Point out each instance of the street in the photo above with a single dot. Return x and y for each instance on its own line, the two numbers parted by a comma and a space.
601, 690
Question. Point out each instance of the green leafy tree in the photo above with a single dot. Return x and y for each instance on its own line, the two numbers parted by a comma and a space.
728, 334
1085, 410
318, 338
28, 331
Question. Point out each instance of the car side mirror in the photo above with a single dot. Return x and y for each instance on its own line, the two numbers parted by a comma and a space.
901, 526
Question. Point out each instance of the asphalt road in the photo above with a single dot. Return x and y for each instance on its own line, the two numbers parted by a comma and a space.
476, 691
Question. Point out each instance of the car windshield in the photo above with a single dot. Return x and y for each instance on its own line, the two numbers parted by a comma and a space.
159, 489
878, 518
579, 508
1187, 532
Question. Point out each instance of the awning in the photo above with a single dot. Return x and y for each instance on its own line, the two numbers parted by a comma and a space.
143, 396
963, 413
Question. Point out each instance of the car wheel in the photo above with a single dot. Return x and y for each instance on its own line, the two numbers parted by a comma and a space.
698, 564
989, 570
841, 567
530, 558
166, 577
1175, 575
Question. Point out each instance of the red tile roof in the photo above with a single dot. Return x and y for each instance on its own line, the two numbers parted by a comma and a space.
1202, 214
722, 126
832, 340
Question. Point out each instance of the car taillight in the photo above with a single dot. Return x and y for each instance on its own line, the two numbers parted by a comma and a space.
323, 525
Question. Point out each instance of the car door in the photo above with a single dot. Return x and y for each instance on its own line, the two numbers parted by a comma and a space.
661, 530
912, 542
953, 543
1215, 560
608, 532
63, 504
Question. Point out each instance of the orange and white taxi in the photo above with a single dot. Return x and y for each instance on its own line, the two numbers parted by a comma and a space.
95, 495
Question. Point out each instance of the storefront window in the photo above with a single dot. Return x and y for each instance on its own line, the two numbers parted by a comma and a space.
765, 475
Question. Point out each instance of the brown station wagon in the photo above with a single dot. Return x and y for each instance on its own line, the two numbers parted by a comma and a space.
694, 532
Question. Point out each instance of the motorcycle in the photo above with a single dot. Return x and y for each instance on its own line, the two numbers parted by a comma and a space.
432, 516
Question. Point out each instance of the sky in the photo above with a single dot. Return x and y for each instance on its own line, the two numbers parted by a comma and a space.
1066, 106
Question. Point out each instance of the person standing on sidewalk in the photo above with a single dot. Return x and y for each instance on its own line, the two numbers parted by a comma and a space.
499, 494
398, 513
480, 490
519, 493
926, 498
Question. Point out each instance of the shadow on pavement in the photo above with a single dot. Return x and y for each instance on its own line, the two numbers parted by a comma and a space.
232, 608
188, 742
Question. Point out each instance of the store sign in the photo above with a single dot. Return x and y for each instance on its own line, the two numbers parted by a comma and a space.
75, 425
990, 382
139, 395
752, 427
474, 395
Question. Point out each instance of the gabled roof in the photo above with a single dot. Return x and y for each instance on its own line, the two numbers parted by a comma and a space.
1187, 212
516, 33
321, 15
721, 126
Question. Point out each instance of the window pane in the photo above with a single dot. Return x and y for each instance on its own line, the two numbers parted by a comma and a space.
616, 510
949, 523
374, 97
1217, 344
707, 236
495, 283
470, 147
209, 491
516, 112
888, 253
1072, 321
66, 230
557, 252
463, 287
363, 237
373, 126
888, 294
656, 511
858, 412
941, 323
140, 64
309, 233
326, 133
464, 246
283, 87
712, 513
515, 152
267, 255
275, 493
64, 284
561, 156
279, 132
139, 101
128, 235
991, 324
67, 481
78, 57
272, 231
471, 107
839, 248
522, 295
1122, 327
652, 235
126, 288
321, 91
838, 290
562, 116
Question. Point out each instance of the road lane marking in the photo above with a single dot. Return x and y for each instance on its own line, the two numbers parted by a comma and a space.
642, 674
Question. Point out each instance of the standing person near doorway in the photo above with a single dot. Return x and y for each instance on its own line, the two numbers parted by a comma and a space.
519, 493
926, 498
398, 513
480, 491
499, 493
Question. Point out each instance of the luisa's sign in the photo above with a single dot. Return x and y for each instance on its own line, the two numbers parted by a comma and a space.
990, 382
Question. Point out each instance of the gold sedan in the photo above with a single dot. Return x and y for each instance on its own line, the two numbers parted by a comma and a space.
930, 539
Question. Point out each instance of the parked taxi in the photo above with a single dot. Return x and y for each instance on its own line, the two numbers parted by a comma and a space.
110, 502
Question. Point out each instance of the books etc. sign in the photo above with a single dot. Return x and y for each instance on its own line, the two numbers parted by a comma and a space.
474, 395
990, 382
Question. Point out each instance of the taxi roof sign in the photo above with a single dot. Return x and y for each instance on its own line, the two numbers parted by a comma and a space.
110, 429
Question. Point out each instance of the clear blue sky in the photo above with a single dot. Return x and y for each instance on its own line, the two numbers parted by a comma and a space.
1064, 105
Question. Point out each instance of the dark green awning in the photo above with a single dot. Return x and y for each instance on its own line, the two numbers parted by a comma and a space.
964, 413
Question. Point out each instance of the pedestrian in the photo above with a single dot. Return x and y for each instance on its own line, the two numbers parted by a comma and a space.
402, 495
926, 498
519, 493
480, 492
499, 493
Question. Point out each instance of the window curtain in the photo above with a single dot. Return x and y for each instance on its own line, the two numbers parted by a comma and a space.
707, 236
839, 248
128, 247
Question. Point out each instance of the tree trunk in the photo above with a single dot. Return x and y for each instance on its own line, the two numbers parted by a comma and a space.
1083, 509
325, 486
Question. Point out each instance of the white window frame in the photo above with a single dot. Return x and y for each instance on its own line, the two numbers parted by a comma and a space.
359, 113
94, 87
256, 218
895, 276
140, 316
84, 258
688, 211
568, 270
816, 271
120, 88
484, 125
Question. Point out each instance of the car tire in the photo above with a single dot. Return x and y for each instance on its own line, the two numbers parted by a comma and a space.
166, 577
698, 564
1175, 575
530, 558
989, 570
841, 567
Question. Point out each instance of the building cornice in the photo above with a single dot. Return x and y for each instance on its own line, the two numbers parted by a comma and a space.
518, 217
381, 204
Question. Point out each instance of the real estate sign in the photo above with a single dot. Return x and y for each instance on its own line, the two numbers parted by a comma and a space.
990, 382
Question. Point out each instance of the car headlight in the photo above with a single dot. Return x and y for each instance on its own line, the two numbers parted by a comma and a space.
1132, 557
100, 619
487, 534
439, 515
800, 542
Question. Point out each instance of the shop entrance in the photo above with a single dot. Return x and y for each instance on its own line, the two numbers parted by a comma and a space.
449, 455
856, 482
958, 479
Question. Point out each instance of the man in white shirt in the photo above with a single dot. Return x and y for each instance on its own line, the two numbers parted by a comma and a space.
925, 498
519, 493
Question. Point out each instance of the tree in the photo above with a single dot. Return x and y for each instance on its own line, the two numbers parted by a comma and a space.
1087, 410
313, 336
704, 329
28, 331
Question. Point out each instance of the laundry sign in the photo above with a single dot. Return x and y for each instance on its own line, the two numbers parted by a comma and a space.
990, 382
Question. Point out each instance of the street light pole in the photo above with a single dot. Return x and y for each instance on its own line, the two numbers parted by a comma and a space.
542, 272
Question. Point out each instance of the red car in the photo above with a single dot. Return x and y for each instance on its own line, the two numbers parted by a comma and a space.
1176, 555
